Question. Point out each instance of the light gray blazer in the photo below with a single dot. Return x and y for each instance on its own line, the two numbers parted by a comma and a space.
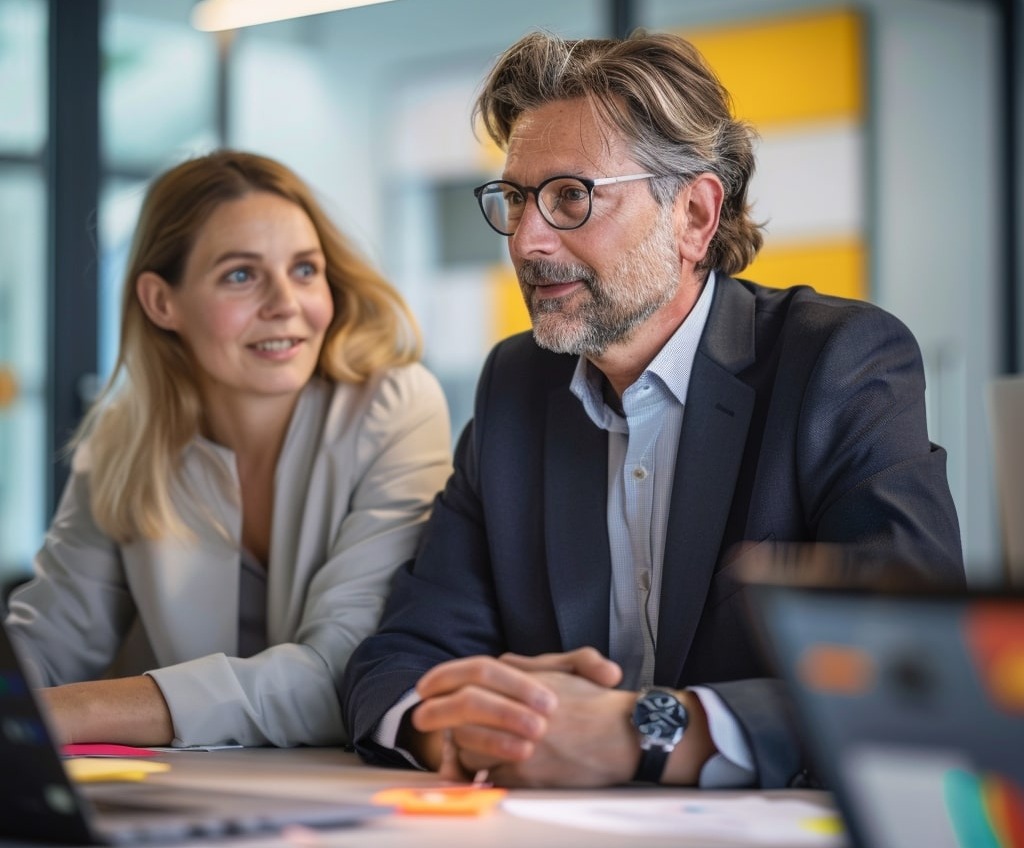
355, 480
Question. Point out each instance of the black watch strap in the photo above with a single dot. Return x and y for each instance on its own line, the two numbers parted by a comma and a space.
660, 720
652, 765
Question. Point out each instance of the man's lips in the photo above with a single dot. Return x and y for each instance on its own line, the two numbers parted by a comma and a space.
553, 289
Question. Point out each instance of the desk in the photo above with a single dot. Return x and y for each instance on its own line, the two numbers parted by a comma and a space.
331, 774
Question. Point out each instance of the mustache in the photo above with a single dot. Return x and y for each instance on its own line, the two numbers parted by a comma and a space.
537, 272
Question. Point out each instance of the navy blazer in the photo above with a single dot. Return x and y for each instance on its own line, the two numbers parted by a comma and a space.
805, 420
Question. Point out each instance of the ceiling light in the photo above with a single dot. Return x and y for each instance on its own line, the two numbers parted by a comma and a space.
216, 15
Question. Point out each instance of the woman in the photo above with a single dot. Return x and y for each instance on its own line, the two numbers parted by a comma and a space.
261, 461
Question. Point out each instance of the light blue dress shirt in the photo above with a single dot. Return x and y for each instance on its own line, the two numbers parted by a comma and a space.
642, 444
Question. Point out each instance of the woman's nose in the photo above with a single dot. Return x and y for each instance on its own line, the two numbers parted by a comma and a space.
280, 297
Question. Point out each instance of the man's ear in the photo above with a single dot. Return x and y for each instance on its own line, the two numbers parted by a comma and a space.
697, 209
155, 296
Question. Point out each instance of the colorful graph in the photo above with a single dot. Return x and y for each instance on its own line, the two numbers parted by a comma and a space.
986, 811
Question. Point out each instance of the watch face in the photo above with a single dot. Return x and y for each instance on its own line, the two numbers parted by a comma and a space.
660, 718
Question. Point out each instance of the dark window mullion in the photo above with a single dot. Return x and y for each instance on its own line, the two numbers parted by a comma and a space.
73, 162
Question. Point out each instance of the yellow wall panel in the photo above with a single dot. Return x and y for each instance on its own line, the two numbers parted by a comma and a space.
491, 157
799, 68
508, 311
836, 266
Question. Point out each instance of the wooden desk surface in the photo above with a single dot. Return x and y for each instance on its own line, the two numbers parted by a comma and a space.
331, 774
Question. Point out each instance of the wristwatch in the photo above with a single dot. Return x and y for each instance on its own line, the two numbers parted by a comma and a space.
660, 718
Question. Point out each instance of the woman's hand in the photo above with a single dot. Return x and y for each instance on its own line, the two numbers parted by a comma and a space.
126, 711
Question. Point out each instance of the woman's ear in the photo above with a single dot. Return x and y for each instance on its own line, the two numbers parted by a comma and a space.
155, 295
697, 211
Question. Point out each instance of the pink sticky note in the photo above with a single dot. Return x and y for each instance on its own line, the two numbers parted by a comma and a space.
105, 750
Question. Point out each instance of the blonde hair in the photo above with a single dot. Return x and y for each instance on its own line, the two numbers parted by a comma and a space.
151, 408
661, 94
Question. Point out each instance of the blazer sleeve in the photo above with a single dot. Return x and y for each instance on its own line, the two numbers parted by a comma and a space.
287, 694
69, 620
868, 475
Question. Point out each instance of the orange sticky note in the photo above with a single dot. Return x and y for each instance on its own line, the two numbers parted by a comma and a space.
441, 800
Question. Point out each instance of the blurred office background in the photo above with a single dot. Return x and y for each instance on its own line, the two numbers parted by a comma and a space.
891, 167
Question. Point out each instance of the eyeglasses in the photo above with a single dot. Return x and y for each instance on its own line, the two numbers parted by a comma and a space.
565, 202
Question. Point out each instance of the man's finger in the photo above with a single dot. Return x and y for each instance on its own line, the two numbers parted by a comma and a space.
487, 674
482, 707
583, 662
484, 748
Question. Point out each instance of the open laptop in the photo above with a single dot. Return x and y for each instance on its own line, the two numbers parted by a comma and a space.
911, 700
39, 803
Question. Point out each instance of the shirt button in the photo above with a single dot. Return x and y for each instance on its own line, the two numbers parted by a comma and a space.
640, 473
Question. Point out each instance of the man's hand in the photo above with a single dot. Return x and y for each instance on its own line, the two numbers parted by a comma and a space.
484, 706
482, 713
588, 740
550, 720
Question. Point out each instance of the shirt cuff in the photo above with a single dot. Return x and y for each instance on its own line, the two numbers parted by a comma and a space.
733, 766
386, 734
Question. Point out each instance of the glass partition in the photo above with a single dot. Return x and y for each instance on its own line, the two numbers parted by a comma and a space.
23, 284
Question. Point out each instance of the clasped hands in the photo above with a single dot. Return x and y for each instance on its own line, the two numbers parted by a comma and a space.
549, 720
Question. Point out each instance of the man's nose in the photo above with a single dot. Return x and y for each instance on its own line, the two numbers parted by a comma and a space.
534, 235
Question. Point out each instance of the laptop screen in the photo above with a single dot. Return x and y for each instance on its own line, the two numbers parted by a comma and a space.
36, 796
912, 705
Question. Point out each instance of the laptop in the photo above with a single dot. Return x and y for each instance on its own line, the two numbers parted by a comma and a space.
910, 698
39, 803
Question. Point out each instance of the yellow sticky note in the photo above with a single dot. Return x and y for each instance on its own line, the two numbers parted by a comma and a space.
93, 769
825, 825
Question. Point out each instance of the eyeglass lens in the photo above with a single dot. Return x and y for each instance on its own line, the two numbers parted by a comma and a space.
564, 202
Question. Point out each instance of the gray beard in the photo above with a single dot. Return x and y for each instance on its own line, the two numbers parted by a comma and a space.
594, 329
638, 286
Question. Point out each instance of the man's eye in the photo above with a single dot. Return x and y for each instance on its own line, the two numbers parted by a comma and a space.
572, 194
514, 198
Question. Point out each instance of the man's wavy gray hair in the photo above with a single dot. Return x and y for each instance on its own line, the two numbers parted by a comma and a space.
661, 94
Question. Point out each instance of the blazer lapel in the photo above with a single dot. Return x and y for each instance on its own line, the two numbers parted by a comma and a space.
297, 546
711, 444
576, 536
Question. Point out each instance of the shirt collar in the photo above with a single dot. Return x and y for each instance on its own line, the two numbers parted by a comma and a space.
673, 364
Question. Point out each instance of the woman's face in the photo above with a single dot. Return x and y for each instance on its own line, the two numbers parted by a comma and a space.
254, 303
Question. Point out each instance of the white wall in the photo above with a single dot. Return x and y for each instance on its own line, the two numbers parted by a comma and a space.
939, 264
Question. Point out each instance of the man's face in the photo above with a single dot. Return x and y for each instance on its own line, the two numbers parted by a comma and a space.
591, 288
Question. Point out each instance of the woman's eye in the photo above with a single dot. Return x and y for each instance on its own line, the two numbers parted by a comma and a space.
305, 270
238, 275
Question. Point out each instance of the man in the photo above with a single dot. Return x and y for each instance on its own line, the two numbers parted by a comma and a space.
661, 414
